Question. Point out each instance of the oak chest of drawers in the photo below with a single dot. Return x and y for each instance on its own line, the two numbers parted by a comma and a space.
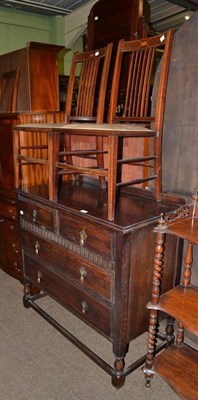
99, 270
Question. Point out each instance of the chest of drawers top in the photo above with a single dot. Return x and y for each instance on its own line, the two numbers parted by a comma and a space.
86, 206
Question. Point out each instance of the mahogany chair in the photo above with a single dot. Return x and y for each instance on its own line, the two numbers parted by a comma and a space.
132, 119
85, 102
9, 83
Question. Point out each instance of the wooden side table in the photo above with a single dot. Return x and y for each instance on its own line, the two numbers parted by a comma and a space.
178, 364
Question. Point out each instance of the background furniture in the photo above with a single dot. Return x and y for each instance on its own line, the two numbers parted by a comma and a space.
9, 83
112, 21
178, 364
180, 119
28, 81
10, 259
10, 250
38, 87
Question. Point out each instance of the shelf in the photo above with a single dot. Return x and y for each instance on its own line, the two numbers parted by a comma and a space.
179, 367
186, 228
177, 302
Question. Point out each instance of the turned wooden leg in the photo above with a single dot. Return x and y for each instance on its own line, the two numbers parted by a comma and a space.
155, 295
188, 265
118, 379
180, 334
27, 295
148, 369
170, 329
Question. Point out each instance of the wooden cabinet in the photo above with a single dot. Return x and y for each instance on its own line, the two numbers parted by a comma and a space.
178, 364
37, 101
108, 22
97, 269
38, 88
10, 249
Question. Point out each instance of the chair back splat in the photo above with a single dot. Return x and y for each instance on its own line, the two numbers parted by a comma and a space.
87, 85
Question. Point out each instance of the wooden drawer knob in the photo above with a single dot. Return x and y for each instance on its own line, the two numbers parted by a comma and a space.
10, 213
84, 306
34, 215
39, 276
14, 248
83, 237
83, 273
37, 247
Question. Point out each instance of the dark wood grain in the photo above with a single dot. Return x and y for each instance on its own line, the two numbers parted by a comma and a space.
100, 270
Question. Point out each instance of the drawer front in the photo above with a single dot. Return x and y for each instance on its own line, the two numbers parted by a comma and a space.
8, 210
41, 216
10, 250
70, 264
88, 235
76, 300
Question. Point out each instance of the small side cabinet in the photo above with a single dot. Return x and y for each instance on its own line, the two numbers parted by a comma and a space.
10, 249
178, 364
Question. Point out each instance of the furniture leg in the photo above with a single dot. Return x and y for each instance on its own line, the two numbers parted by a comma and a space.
118, 379
148, 370
188, 264
27, 295
112, 175
16, 163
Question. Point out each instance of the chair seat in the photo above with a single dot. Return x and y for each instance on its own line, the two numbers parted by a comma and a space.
93, 129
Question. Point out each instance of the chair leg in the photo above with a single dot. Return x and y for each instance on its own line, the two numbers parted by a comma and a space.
56, 149
100, 159
15, 152
158, 170
50, 164
112, 175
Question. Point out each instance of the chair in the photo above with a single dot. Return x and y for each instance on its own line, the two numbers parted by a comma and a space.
131, 118
9, 83
85, 102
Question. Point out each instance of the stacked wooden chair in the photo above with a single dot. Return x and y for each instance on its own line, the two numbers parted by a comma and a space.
132, 118
34, 144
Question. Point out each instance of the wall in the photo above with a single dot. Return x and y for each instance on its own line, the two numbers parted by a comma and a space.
75, 27
18, 27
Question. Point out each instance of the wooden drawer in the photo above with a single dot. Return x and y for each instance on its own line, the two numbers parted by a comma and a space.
87, 307
88, 235
41, 216
69, 264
